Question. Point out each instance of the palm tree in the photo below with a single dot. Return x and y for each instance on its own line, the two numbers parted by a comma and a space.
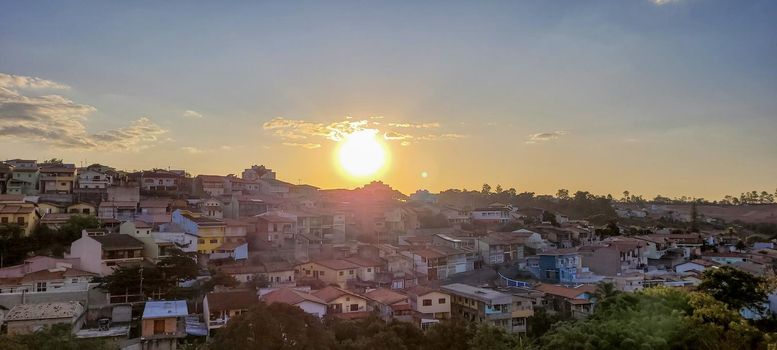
605, 291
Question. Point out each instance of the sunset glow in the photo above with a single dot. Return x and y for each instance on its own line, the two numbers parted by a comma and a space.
361, 154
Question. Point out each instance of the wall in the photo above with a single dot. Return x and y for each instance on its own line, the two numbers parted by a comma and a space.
89, 251
313, 308
436, 306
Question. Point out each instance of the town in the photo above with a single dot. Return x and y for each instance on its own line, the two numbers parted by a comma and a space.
161, 259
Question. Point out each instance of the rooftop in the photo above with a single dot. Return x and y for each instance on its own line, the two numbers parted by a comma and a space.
164, 309
482, 294
43, 311
118, 241
290, 296
231, 300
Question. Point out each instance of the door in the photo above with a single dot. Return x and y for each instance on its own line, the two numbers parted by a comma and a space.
159, 326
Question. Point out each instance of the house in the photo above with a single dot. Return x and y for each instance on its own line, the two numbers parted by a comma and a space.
119, 210
57, 179
367, 268
274, 230
279, 273
307, 302
342, 303
235, 230
100, 251
274, 186
332, 271
61, 278
163, 324
560, 265
209, 232
160, 180
212, 185
230, 250
156, 245
491, 215
25, 177
430, 305
211, 207
576, 302
220, 306
389, 304
155, 210
439, 262
612, 258
531, 239
24, 215
29, 318
456, 216
481, 305
499, 247
82, 208
257, 172
91, 179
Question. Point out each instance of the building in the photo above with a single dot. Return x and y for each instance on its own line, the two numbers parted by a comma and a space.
163, 324
221, 306
305, 301
29, 318
160, 180
209, 232
212, 185
23, 215
430, 305
24, 179
274, 230
481, 305
576, 302
559, 266
91, 179
342, 303
500, 247
439, 262
333, 271
390, 304
100, 251
59, 279
119, 210
491, 215
57, 180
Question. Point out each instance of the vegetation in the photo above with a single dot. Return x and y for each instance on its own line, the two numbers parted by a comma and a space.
735, 288
153, 281
57, 337
15, 246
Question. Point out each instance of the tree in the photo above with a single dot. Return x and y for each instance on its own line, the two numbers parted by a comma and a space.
275, 326
218, 278
604, 293
498, 189
562, 194
549, 217
694, 218
626, 196
486, 189
72, 228
489, 337
12, 249
735, 288
52, 162
448, 335
178, 267
56, 337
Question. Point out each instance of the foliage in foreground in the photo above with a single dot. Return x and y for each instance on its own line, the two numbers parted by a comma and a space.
58, 337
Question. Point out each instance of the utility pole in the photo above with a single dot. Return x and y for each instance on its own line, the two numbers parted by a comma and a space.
141, 282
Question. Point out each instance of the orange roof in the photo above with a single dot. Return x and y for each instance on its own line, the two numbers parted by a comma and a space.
290, 296
566, 292
352, 315
336, 264
330, 293
231, 300
385, 296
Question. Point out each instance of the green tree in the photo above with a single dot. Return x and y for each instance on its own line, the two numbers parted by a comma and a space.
694, 218
276, 326
448, 335
57, 337
604, 293
72, 228
487, 337
735, 288
562, 194
486, 189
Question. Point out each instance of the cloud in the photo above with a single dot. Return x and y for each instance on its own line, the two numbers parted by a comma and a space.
190, 114
303, 145
415, 126
192, 150
11, 81
57, 121
294, 131
663, 2
545, 136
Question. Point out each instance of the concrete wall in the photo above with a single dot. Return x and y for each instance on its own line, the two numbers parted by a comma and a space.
92, 298
89, 251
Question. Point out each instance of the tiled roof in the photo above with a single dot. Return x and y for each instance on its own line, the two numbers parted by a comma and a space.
330, 293
165, 309
54, 274
336, 264
240, 269
566, 292
118, 241
42, 311
290, 296
364, 262
231, 300
385, 296
275, 218
16, 208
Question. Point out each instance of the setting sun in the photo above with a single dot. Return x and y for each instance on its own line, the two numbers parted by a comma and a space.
361, 154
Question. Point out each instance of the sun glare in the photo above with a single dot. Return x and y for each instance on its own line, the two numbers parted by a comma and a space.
361, 154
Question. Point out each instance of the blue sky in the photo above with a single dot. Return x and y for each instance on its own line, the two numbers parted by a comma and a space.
673, 98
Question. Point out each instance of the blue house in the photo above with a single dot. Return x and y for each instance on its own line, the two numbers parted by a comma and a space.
559, 266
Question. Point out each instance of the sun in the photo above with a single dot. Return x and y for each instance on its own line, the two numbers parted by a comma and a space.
361, 154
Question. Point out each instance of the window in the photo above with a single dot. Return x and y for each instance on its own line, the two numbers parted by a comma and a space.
20, 220
75, 280
200, 241
354, 307
427, 302
320, 273
441, 301
350, 272
40, 287
4, 220
341, 273
369, 269
214, 241
85, 211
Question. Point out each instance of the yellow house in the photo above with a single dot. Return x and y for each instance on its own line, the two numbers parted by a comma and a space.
23, 215
82, 208
335, 271
209, 232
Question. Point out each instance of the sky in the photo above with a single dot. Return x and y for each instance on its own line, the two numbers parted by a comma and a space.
670, 97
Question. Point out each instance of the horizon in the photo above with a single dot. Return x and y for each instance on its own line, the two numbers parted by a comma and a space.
671, 98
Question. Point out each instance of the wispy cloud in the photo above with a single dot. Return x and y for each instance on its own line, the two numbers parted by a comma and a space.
192, 150
190, 114
303, 145
294, 131
663, 2
545, 136
57, 121
415, 125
